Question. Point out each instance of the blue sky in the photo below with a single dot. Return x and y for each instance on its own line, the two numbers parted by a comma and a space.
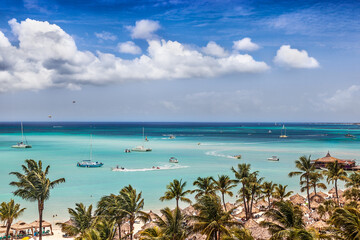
179, 60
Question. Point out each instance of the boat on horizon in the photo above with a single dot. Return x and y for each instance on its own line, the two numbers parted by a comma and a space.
142, 148
89, 163
273, 158
22, 144
283, 132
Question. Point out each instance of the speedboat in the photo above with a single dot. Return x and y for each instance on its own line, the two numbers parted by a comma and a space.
237, 156
89, 164
171, 137
273, 158
348, 135
270, 131
141, 149
173, 160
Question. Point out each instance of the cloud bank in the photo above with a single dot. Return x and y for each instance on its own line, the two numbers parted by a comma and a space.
293, 58
48, 57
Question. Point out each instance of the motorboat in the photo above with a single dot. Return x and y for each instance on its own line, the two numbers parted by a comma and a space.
89, 164
22, 144
141, 149
348, 135
171, 137
127, 150
237, 156
273, 158
269, 131
173, 160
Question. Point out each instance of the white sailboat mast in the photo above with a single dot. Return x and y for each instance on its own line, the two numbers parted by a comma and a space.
22, 132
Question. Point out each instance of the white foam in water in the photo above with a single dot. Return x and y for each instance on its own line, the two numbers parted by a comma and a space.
157, 168
216, 154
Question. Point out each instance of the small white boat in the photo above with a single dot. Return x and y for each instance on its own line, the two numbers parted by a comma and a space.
171, 137
273, 158
237, 156
173, 160
22, 144
141, 149
270, 131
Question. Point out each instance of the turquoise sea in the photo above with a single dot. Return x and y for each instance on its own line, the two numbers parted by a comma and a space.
61, 145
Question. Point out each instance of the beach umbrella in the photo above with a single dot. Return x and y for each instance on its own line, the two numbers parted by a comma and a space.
21, 226
261, 203
314, 204
35, 224
256, 230
317, 198
2, 229
305, 209
190, 211
315, 215
230, 206
319, 225
321, 194
297, 199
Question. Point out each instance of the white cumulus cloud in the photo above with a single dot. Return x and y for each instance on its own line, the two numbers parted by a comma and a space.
343, 100
245, 44
214, 49
106, 36
144, 29
129, 47
293, 58
46, 56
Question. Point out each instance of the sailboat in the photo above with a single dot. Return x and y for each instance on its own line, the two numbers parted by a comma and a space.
89, 163
22, 144
142, 148
283, 134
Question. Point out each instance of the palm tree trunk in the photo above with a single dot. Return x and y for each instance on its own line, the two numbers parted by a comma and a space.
131, 228
40, 208
244, 200
315, 189
223, 199
337, 195
269, 202
177, 203
8, 226
251, 204
307, 189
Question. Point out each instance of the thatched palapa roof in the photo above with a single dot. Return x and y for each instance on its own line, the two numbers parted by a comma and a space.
297, 199
256, 230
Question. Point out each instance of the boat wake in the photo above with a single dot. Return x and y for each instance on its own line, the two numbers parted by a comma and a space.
156, 168
216, 154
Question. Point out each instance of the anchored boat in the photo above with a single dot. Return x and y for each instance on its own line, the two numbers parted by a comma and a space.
89, 163
22, 144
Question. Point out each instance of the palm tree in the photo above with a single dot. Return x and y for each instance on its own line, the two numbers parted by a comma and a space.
153, 233
9, 212
280, 192
102, 230
34, 185
353, 181
268, 189
204, 186
239, 234
241, 175
346, 222
110, 208
176, 189
81, 219
132, 205
306, 169
334, 172
327, 207
223, 185
212, 220
315, 182
287, 222
172, 224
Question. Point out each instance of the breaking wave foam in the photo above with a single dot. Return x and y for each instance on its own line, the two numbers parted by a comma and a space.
157, 168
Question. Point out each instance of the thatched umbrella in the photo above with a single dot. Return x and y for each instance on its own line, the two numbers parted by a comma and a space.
305, 209
35, 224
152, 216
262, 204
319, 225
332, 191
317, 198
242, 214
321, 194
190, 211
2, 229
297, 199
196, 236
315, 215
256, 230
148, 225
21, 226
229, 206
314, 204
